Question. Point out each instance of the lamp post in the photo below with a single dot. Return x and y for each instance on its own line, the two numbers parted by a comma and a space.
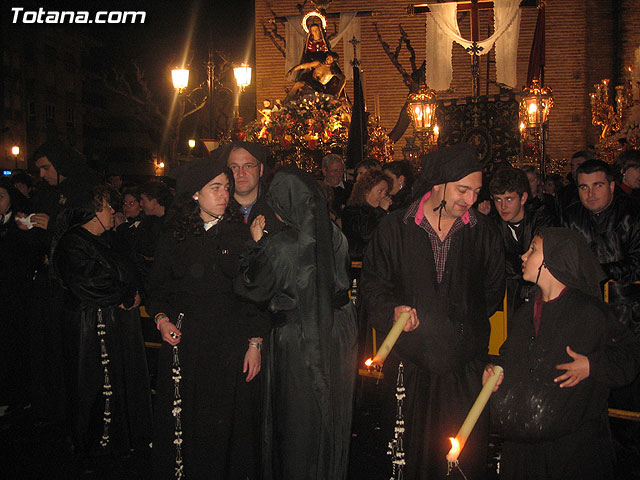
15, 151
180, 79
242, 75
422, 110
534, 115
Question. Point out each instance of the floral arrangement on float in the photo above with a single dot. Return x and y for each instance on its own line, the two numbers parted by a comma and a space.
312, 122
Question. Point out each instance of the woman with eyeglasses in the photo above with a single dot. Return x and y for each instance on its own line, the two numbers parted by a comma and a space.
109, 403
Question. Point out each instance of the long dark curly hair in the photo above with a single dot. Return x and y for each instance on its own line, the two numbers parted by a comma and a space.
365, 184
184, 217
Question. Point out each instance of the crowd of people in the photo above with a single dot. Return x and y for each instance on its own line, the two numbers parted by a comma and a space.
247, 271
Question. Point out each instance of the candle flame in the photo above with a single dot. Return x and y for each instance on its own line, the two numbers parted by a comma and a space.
368, 362
452, 456
533, 108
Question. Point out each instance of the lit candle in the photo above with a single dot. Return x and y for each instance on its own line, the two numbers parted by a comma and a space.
377, 105
389, 341
457, 443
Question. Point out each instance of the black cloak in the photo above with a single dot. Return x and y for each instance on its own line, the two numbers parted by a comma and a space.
443, 358
552, 432
302, 272
48, 396
193, 274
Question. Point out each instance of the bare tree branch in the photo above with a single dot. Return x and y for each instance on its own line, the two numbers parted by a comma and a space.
270, 30
393, 56
407, 41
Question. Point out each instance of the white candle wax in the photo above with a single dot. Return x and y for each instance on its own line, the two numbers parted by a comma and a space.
474, 414
390, 340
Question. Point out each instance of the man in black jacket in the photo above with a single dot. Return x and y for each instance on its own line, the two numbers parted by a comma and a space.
610, 223
66, 176
333, 171
442, 263
519, 222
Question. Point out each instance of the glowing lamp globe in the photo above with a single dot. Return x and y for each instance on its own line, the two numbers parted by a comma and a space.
535, 105
180, 78
243, 76
422, 109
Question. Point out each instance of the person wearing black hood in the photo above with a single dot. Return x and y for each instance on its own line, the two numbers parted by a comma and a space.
564, 352
211, 430
109, 398
442, 263
16, 270
302, 273
66, 176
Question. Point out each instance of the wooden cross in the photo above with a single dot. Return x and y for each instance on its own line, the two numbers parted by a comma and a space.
354, 41
474, 7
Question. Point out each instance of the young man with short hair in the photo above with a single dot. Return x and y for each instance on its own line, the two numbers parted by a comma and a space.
518, 224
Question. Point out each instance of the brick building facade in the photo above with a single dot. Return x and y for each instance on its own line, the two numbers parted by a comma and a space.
586, 41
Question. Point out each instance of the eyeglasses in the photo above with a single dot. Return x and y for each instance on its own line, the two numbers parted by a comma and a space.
130, 204
245, 168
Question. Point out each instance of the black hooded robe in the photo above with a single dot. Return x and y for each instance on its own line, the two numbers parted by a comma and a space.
98, 281
302, 272
444, 357
552, 432
220, 410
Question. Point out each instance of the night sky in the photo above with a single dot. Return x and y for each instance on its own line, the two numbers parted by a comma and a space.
160, 42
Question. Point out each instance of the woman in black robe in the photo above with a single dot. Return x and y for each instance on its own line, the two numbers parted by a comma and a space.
564, 352
302, 272
109, 399
212, 432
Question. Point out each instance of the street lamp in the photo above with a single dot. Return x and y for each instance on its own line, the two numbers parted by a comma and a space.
180, 78
243, 76
243, 80
15, 151
534, 114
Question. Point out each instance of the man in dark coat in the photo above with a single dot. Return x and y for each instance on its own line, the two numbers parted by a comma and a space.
333, 171
568, 196
518, 223
442, 263
247, 162
66, 175
610, 223
155, 199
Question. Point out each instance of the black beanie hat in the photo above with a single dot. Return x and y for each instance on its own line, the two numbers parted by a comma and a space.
199, 173
447, 164
259, 151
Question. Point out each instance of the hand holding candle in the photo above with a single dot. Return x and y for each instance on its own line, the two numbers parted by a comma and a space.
407, 320
457, 443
